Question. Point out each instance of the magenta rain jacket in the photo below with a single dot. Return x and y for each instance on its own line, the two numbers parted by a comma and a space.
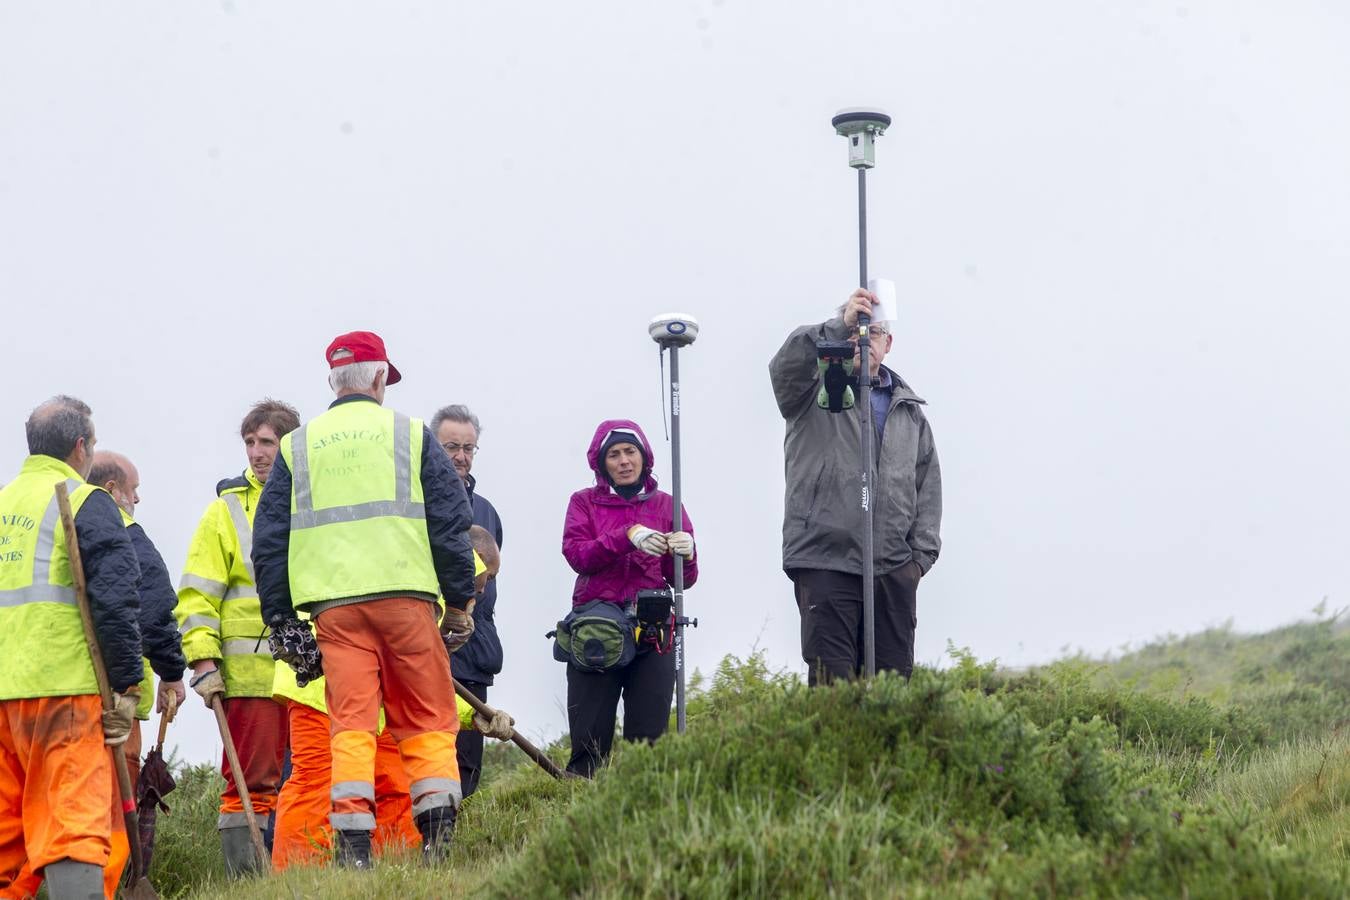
595, 535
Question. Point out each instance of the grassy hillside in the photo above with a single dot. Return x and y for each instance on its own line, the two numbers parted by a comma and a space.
1210, 766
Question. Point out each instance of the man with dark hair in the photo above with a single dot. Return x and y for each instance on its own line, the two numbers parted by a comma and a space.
476, 664
159, 630
56, 778
822, 523
224, 637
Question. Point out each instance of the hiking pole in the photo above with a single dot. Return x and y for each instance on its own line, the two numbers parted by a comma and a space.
240, 783
671, 332
862, 127
141, 889
517, 738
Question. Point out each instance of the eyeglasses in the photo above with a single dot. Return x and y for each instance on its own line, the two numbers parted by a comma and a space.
876, 333
452, 448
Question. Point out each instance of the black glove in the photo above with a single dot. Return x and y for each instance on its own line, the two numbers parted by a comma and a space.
293, 643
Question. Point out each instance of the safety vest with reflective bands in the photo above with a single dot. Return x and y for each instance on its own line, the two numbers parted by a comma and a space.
358, 526
147, 701
42, 648
218, 612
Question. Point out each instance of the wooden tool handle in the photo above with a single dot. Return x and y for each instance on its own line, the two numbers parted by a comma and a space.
240, 783
531, 750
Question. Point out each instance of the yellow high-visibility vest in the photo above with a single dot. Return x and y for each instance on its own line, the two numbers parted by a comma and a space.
42, 648
358, 525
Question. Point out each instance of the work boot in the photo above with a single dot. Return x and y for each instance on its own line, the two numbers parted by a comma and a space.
240, 857
353, 849
437, 827
71, 880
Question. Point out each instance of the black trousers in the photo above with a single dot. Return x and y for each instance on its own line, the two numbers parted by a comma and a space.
831, 608
646, 684
469, 746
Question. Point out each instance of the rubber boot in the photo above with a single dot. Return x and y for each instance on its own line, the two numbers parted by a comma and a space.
71, 880
437, 827
353, 849
240, 857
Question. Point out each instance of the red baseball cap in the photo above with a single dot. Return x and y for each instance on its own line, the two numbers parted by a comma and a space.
364, 346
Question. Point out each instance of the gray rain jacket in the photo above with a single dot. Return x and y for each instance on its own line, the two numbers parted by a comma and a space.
822, 519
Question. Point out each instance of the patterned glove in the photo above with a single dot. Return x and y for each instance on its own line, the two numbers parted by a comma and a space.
117, 721
293, 643
681, 542
457, 626
498, 726
648, 540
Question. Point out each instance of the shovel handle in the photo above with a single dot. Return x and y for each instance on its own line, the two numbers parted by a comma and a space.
240, 784
129, 814
531, 750
166, 717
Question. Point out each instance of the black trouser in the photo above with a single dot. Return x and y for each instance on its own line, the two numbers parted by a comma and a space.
831, 607
469, 746
647, 684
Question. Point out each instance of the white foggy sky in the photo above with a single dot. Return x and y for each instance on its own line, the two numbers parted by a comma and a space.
1119, 233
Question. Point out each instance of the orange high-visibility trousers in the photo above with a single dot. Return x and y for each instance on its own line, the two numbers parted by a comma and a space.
121, 850
391, 644
27, 884
302, 834
56, 787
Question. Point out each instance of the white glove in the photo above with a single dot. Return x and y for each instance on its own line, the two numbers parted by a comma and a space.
208, 684
681, 542
497, 726
120, 719
648, 540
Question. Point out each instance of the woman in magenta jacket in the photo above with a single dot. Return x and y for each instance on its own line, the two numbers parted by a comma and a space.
617, 538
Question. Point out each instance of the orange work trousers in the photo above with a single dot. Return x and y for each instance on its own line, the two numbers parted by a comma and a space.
121, 849
388, 651
302, 834
56, 787
258, 728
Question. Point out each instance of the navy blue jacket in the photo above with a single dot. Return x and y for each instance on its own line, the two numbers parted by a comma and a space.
110, 573
481, 658
448, 518
160, 641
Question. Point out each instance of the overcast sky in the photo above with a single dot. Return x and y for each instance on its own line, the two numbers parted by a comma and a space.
1119, 233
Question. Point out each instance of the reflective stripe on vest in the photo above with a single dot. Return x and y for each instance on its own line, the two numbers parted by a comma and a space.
42, 590
358, 521
42, 647
306, 516
244, 530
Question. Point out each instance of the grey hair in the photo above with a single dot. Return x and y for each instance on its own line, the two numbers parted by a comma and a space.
107, 467
456, 412
57, 425
354, 376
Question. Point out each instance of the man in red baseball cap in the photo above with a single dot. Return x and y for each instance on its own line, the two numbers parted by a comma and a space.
360, 347
362, 524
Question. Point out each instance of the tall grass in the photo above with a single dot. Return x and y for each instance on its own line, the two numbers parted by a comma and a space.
1140, 777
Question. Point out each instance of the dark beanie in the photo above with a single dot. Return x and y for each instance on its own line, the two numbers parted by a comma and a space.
623, 436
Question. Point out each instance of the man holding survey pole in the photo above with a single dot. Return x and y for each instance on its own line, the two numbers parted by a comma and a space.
822, 523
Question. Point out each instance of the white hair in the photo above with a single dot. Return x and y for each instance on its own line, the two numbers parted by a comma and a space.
355, 376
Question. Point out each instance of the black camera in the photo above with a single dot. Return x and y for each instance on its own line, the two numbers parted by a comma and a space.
654, 608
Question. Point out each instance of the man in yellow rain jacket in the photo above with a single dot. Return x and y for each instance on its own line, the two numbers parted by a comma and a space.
223, 634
